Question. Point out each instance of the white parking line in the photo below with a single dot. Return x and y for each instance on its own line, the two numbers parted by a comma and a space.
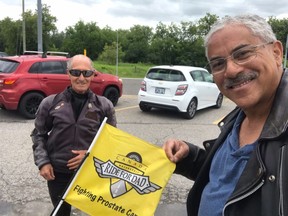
126, 108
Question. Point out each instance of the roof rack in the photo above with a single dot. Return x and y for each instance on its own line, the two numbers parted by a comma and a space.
32, 52
44, 55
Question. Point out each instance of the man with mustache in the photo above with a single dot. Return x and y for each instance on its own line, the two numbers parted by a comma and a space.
65, 126
245, 170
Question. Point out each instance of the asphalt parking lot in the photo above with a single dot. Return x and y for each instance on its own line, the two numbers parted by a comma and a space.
24, 192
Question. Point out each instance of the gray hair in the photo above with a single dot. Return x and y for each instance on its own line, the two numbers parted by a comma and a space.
258, 26
70, 61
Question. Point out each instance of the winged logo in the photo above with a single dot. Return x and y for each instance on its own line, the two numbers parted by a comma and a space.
124, 177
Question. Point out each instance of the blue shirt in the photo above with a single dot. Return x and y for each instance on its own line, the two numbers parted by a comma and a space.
226, 168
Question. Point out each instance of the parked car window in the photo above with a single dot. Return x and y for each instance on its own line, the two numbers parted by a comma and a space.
8, 66
166, 75
197, 76
207, 77
176, 76
53, 67
35, 68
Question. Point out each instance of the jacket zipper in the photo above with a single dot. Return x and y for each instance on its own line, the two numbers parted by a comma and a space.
281, 199
243, 196
251, 191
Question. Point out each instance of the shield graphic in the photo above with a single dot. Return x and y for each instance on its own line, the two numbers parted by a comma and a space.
119, 187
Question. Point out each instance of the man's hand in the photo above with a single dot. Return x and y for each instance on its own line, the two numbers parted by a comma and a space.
175, 150
75, 161
47, 172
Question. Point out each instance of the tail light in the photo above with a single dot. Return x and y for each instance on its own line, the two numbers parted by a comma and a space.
181, 89
143, 86
7, 81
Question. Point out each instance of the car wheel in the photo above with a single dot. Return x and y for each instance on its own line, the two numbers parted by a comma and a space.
29, 104
191, 109
145, 107
112, 94
219, 101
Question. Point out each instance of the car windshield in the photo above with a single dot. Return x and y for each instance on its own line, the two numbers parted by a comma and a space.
165, 74
7, 66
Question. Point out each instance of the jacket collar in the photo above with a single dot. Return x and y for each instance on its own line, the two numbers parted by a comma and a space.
277, 121
67, 93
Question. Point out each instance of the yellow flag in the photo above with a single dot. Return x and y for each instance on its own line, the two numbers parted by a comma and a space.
122, 176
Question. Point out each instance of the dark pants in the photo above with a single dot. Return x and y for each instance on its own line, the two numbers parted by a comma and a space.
57, 188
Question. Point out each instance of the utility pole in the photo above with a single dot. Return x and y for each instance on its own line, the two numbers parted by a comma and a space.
117, 54
23, 27
39, 26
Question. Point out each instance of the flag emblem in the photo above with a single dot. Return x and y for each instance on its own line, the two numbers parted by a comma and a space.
125, 175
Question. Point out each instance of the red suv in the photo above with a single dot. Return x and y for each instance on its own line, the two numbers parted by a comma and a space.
25, 80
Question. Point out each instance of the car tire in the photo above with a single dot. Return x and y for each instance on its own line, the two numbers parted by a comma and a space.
145, 107
112, 94
29, 104
219, 101
191, 109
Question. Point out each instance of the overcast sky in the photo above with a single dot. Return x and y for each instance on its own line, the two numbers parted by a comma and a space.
123, 14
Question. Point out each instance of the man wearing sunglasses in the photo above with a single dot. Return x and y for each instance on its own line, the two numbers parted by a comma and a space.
245, 170
65, 126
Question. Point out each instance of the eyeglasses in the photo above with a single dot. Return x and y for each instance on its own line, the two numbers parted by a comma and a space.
239, 57
77, 73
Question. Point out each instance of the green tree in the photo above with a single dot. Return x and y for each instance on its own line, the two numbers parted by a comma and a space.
204, 24
10, 36
138, 40
109, 53
181, 44
108, 35
31, 30
48, 28
56, 41
168, 44
84, 36
122, 38
192, 40
280, 27
165, 45
12, 33
191, 45
201, 29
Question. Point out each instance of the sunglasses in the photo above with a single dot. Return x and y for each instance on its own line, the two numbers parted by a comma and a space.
77, 73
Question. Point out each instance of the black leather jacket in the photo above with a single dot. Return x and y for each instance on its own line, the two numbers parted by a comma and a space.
57, 131
263, 186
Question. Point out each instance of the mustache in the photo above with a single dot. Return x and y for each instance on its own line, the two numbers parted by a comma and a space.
240, 78
81, 82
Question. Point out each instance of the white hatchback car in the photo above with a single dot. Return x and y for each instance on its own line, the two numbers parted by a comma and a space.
182, 88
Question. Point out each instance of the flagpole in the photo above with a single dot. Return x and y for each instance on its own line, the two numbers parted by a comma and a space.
54, 212
97, 135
